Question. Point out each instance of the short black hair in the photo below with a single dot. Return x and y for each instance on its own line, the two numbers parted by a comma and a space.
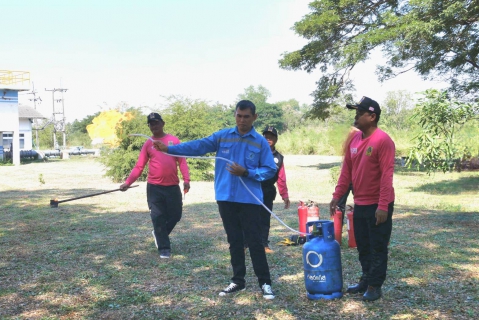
246, 104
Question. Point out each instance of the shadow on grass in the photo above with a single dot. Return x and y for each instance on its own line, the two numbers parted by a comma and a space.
84, 261
320, 166
329, 165
463, 184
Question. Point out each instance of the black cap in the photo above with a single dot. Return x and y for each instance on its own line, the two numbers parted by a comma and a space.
271, 129
366, 104
154, 117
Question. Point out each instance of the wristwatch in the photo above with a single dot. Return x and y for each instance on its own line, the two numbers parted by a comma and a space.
245, 173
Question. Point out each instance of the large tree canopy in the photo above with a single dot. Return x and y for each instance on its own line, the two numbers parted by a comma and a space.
435, 38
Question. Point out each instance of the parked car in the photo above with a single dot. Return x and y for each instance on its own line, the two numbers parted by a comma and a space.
75, 150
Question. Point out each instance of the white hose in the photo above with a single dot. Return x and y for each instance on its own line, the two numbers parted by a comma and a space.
227, 160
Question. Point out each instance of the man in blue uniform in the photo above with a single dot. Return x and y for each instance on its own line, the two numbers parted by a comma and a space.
249, 159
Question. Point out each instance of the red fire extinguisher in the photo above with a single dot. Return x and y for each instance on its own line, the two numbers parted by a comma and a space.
306, 213
338, 225
313, 211
351, 238
302, 216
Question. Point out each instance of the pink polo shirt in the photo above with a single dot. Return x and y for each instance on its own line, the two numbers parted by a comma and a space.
162, 168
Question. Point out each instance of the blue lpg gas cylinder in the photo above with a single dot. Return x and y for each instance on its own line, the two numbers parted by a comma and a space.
323, 275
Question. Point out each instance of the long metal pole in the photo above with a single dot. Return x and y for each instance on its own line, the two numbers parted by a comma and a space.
64, 124
55, 143
36, 120
54, 202
62, 121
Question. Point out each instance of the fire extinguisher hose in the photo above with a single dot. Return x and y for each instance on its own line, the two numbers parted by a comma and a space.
241, 180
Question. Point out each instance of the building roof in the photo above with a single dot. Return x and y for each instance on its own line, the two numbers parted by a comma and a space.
29, 113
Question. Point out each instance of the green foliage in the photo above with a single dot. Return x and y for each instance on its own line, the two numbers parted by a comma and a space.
121, 160
440, 118
41, 179
335, 172
45, 135
77, 135
268, 114
191, 119
435, 38
397, 110
195, 119
119, 163
293, 113
315, 137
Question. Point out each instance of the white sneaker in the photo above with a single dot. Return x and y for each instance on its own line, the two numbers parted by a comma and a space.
267, 292
154, 237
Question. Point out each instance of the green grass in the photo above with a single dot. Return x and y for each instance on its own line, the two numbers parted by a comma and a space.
95, 258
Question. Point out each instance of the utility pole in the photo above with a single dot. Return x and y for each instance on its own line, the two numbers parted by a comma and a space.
60, 124
35, 99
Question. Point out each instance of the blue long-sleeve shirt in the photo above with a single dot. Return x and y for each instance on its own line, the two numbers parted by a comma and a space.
250, 150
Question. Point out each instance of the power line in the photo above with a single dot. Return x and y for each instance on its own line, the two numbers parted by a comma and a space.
35, 99
58, 116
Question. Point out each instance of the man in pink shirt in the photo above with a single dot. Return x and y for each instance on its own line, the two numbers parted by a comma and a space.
369, 166
162, 191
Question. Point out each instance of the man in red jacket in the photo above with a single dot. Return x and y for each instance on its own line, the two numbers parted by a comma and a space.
369, 166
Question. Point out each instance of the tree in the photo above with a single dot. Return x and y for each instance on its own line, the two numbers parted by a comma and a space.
440, 118
45, 134
77, 133
435, 38
119, 161
397, 110
268, 114
194, 119
292, 113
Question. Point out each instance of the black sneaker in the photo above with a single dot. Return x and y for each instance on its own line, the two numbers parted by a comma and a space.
361, 287
165, 253
372, 294
233, 287
267, 292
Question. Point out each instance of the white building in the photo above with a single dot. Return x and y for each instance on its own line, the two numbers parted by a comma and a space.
11, 82
26, 117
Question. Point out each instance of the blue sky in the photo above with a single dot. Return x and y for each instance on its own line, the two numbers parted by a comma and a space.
139, 52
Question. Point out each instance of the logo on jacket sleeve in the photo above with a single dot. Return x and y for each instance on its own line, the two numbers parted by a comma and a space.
170, 143
369, 151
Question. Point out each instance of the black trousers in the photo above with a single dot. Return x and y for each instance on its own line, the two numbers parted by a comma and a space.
241, 222
265, 216
166, 205
372, 242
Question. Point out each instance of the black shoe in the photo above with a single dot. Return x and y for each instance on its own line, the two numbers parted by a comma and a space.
372, 294
361, 287
233, 287
165, 253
